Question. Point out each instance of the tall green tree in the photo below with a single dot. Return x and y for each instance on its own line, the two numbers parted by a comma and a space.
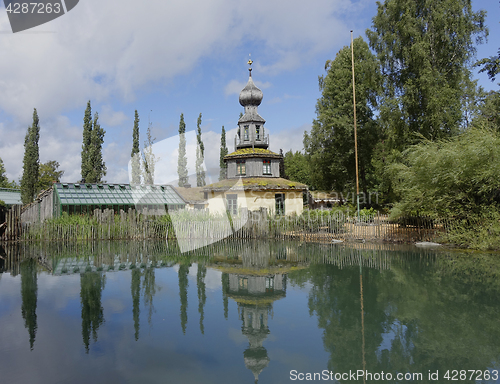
182, 160
149, 159
87, 137
223, 153
95, 161
200, 155
31, 162
297, 167
4, 181
330, 144
425, 49
136, 162
48, 174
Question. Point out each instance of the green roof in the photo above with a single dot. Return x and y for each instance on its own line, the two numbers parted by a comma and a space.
10, 196
244, 152
117, 194
256, 183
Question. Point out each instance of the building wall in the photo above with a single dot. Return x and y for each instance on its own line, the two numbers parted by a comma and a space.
254, 168
254, 200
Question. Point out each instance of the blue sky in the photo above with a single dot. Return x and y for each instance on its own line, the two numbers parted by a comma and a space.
165, 58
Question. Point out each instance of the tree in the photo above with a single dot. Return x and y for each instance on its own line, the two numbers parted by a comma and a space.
223, 153
453, 178
330, 144
97, 167
489, 111
136, 163
182, 160
87, 137
29, 180
297, 167
4, 181
48, 174
149, 159
200, 155
425, 49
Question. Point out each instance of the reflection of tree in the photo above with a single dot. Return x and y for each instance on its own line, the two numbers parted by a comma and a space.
225, 288
183, 293
91, 287
418, 316
136, 299
149, 287
202, 297
335, 298
29, 290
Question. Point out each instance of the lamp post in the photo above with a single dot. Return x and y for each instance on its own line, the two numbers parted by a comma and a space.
355, 134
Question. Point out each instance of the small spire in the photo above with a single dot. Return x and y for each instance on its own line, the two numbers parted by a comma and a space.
250, 62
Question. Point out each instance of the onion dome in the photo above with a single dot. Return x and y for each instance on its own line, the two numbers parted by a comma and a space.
250, 95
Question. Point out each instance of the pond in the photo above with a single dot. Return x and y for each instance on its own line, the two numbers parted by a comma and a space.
242, 312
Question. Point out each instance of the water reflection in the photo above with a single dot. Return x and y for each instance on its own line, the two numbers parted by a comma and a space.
254, 288
377, 307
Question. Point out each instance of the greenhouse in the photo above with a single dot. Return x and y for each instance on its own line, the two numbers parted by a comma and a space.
83, 198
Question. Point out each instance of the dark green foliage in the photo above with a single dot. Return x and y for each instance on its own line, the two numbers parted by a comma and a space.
451, 178
87, 137
489, 111
183, 293
490, 65
48, 174
182, 160
91, 287
330, 145
97, 167
29, 292
425, 49
135, 288
149, 286
202, 297
200, 155
223, 152
297, 167
31, 162
136, 163
4, 181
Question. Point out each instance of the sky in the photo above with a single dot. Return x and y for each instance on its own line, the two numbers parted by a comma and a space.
165, 58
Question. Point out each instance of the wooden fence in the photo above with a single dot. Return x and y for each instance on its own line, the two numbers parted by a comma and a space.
199, 229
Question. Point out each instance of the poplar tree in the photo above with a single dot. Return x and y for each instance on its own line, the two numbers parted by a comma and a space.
97, 167
136, 164
149, 159
182, 160
87, 135
200, 155
31, 162
223, 153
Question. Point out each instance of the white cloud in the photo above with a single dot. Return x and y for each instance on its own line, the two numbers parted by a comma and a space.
111, 118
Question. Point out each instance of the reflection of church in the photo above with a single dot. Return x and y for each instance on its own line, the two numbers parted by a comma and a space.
255, 290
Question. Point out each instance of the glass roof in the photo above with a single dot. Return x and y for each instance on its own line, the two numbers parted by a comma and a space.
117, 194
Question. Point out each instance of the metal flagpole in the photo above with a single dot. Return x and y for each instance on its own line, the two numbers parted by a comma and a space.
355, 134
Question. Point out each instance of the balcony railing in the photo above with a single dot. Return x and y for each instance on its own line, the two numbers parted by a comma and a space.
240, 141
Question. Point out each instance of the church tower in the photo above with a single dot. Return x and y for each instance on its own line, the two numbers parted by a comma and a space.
251, 156
251, 125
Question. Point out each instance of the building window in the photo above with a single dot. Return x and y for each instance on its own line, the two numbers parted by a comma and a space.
232, 203
246, 133
266, 165
240, 167
279, 199
257, 132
